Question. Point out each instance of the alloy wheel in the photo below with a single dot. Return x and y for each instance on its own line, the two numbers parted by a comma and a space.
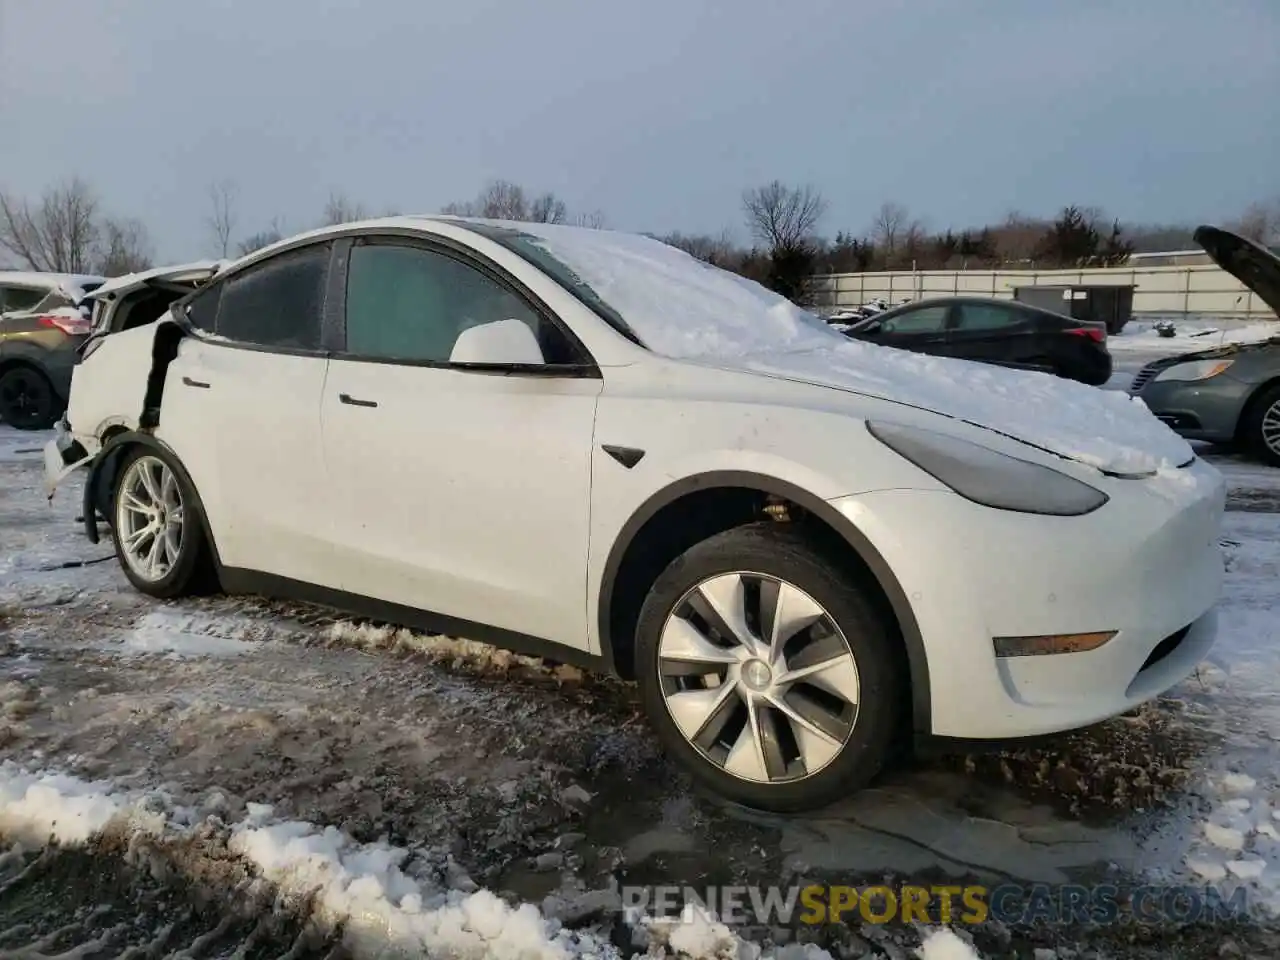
149, 518
1271, 428
758, 677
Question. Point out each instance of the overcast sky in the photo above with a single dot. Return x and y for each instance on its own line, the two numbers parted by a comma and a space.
657, 112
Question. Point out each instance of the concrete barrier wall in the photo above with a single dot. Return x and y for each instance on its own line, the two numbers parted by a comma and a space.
1174, 291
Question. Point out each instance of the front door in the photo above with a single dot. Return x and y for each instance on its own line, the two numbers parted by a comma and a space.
464, 492
922, 329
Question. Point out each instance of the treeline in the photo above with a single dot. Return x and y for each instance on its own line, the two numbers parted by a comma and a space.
67, 229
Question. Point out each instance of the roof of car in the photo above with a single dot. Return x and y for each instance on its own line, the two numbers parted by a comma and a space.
50, 281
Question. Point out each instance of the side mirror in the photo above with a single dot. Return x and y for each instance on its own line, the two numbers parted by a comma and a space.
503, 342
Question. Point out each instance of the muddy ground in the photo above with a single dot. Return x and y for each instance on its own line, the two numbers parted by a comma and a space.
543, 784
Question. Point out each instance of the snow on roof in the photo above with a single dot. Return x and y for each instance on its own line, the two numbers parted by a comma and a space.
685, 309
70, 283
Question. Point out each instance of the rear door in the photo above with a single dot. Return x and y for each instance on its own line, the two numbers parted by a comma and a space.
995, 332
241, 408
922, 329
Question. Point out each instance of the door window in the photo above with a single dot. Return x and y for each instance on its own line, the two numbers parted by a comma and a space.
277, 303
409, 303
982, 316
923, 320
13, 299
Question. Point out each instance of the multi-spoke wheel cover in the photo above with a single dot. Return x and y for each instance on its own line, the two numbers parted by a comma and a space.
149, 518
758, 677
1271, 428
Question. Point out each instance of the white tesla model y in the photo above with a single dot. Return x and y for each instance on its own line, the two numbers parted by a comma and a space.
591, 446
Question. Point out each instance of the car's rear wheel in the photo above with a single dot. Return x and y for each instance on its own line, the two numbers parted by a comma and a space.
771, 675
27, 399
1262, 426
157, 528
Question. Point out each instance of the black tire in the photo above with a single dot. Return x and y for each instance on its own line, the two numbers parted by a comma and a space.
28, 400
193, 570
1262, 407
780, 551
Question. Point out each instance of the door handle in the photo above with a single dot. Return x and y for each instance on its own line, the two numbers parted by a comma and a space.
195, 383
349, 399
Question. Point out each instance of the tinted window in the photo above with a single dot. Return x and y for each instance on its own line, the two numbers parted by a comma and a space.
202, 309
408, 303
981, 316
20, 298
277, 303
924, 320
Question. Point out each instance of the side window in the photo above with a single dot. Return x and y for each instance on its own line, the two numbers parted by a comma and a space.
980, 316
409, 303
20, 298
277, 303
202, 309
923, 320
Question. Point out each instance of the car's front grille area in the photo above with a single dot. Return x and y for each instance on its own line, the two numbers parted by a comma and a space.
1165, 647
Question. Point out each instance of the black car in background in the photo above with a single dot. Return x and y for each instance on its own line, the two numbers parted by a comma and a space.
1002, 332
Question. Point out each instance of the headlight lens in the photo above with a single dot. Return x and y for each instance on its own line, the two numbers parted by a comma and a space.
992, 479
1194, 370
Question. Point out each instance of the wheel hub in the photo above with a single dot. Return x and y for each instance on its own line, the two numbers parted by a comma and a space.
757, 675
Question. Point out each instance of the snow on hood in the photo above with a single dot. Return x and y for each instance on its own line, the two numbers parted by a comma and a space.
685, 309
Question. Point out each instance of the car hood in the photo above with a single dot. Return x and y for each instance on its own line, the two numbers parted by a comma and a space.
1250, 263
1104, 429
185, 274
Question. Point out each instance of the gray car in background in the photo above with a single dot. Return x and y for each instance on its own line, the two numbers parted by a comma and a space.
1230, 394
42, 323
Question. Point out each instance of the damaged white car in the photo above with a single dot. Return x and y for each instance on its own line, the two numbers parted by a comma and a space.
592, 447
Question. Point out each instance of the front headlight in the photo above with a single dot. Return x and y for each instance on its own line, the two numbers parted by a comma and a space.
992, 479
1194, 370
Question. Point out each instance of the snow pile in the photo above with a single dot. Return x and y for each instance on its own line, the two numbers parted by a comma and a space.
36, 808
454, 651
363, 889
1192, 334
685, 309
945, 945
1239, 843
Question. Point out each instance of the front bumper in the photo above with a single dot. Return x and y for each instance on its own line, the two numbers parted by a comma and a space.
1147, 565
1201, 410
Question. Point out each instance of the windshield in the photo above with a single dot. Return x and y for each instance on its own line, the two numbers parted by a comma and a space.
662, 297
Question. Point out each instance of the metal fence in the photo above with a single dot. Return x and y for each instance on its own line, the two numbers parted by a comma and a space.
1172, 291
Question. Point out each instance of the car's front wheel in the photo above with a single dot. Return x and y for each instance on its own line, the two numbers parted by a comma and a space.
156, 525
1262, 426
27, 399
771, 674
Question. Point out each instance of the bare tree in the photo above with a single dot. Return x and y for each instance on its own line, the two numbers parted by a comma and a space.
222, 221
125, 248
783, 217
717, 250
339, 209
888, 226
1260, 222
504, 200
595, 220
263, 238
59, 234
548, 208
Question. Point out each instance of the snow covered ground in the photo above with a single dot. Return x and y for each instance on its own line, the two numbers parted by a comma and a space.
229, 774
